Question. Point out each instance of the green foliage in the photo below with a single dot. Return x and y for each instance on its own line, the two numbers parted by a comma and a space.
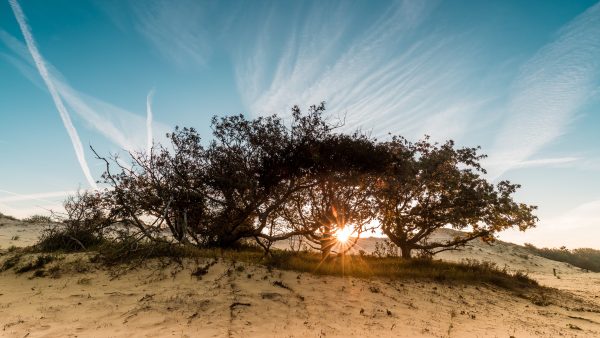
584, 258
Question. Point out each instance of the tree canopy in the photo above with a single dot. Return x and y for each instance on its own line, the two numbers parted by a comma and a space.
429, 186
267, 179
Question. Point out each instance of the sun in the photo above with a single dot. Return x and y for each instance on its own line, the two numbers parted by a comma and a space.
343, 234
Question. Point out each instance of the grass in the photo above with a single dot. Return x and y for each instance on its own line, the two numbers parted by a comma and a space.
396, 268
362, 266
38, 263
470, 271
10, 262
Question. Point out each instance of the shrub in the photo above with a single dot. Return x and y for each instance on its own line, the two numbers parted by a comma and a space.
83, 227
386, 248
38, 219
65, 238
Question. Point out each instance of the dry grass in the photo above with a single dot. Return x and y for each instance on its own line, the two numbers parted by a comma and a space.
470, 271
362, 266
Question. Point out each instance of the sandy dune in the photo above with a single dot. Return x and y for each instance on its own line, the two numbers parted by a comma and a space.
240, 300
18, 234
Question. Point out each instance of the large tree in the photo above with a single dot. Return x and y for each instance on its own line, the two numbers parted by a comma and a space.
222, 193
254, 168
429, 186
337, 197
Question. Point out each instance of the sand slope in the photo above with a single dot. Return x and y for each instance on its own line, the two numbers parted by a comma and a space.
236, 300
240, 300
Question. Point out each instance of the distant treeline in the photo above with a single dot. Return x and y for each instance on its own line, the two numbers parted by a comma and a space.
584, 258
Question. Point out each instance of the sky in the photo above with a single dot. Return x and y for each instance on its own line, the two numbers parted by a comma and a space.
521, 79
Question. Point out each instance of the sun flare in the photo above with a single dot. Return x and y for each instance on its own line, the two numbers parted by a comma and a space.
343, 234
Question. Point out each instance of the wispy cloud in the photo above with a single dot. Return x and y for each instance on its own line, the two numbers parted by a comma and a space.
41, 197
22, 212
149, 137
555, 161
112, 122
175, 28
381, 78
575, 228
23, 205
551, 87
64, 114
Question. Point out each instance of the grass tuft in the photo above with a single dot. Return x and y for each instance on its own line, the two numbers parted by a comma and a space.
10, 262
361, 266
38, 263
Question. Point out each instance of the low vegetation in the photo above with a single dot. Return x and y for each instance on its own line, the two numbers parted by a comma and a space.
584, 258
361, 266
470, 271
38, 263
37, 219
82, 228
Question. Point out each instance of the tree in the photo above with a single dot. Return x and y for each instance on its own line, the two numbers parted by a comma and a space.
162, 190
223, 193
428, 186
254, 168
338, 193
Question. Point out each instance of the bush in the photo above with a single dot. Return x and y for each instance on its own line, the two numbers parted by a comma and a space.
83, 227
38, 219
67, 238
386, 248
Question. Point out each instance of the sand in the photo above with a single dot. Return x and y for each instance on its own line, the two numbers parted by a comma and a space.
157, 299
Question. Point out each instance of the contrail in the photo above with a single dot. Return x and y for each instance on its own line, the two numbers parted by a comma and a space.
64, 114
149, 122
16, 197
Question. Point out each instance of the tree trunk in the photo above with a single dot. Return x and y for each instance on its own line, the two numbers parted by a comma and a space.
327, 242
405, 250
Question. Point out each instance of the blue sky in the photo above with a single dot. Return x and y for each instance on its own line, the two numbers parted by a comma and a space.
519, 78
